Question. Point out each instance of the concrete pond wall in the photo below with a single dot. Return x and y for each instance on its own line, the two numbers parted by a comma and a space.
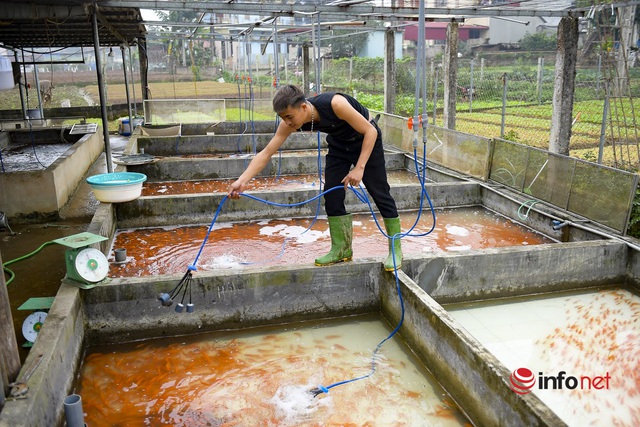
39, 194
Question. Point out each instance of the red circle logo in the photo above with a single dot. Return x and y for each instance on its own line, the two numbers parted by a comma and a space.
522, 380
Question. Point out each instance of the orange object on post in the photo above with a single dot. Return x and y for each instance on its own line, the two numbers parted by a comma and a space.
410, 122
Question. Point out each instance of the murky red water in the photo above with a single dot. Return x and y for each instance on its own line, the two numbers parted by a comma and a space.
288, 182
262, 378
157, 251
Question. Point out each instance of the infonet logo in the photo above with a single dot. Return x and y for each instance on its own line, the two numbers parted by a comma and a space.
522, 381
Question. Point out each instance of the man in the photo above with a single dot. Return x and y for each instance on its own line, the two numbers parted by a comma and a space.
354, 139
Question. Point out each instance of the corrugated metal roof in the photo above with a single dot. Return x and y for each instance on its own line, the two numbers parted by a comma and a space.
57, 23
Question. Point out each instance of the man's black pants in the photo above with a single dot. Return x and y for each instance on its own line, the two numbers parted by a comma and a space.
339, 160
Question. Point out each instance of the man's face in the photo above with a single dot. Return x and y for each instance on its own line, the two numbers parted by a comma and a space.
294, 117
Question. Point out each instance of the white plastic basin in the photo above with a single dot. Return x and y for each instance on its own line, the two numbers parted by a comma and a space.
117, 187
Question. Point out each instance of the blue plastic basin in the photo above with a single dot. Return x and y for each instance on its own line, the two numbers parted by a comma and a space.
116, 179
117, 187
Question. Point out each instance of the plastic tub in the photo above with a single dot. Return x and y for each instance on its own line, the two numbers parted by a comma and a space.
117, 187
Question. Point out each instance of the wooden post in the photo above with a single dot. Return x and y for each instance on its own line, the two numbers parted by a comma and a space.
564, 86
450, 71
9, 355
390, 71
305, 69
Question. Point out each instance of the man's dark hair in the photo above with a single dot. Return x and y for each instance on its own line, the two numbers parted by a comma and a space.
287, 96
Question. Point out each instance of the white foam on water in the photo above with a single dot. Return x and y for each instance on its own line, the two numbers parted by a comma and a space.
456, 230
294, 404
301, 234
222, 261
458, 248
221, 225
271, 230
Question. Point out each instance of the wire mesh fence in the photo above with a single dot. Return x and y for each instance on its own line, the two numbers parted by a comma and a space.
511, 96
498, 94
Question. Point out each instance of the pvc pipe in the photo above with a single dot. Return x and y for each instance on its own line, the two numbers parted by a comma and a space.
121, 254
73, 411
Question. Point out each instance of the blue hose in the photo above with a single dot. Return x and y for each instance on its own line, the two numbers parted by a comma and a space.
360, 194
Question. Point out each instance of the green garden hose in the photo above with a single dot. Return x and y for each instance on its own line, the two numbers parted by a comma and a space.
11, 274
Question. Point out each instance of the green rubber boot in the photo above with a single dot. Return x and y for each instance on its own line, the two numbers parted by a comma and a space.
341, 231
393, 227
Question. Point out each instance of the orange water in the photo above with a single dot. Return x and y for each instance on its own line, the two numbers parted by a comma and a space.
156, 251
285, 182
262, 378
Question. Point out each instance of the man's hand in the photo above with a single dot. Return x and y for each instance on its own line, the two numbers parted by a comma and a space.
235, 189
354, 177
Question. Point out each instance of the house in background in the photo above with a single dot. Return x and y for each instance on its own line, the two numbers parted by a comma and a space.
507, 31
375, 45
436, 36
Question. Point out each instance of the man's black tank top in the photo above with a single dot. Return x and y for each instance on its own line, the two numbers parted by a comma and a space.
338, 131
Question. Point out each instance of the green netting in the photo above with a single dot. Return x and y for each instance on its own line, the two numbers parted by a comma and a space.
596, 192
465, 153
177, 111
602, 194
468, 154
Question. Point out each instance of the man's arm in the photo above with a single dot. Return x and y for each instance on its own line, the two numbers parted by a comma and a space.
346, 112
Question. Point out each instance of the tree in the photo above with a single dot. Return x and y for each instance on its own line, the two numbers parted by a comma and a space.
174, 46
346, 44
539, 41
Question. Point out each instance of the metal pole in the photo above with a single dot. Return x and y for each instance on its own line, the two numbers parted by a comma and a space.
101, 90
603, 127
133, 83
37, 79
504, 103
435, 94
22, 86
126, 88
425, 117
598, 76
419, 74
471, 89
540, 73
276, 52
318, 56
